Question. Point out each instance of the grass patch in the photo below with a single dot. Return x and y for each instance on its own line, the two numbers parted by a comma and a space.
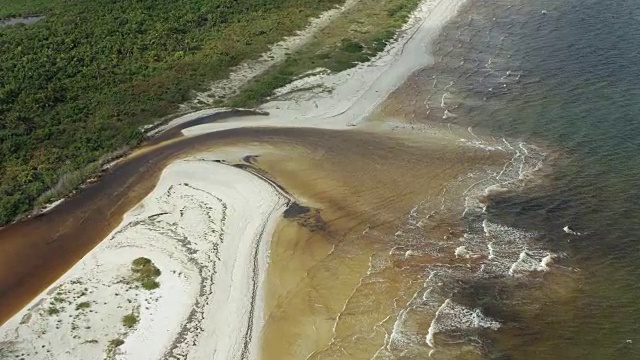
83, 305
145, 273
130, 320
113, 345
52, 310
351, 46
116, 342
356, 36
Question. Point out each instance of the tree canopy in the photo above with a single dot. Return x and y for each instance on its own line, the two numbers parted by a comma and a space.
80, 83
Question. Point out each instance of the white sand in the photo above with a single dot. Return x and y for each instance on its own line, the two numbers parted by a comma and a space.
354, 93
203, 226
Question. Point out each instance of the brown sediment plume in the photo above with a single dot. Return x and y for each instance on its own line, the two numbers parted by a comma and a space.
336, 293
34, 253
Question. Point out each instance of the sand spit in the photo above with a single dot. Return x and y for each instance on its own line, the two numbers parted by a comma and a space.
207, 234
348, 97
205, 226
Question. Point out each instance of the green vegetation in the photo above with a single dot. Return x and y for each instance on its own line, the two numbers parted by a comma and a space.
359, 34
145, 273
83, 305
116, 342
113, 345
52, 310
130, 320
78, 84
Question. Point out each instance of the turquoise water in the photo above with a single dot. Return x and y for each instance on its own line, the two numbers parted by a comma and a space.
563, 75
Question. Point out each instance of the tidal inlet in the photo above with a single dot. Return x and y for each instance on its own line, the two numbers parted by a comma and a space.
349, 216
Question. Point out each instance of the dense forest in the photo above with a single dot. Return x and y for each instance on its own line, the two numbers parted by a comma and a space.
78, 84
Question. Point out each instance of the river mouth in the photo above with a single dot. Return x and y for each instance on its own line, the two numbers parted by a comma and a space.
384, 260
392, 249
386, 225
379, 256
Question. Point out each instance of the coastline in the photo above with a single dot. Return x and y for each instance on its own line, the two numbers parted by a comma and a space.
357, 91
241, 209
349, 97
355, 94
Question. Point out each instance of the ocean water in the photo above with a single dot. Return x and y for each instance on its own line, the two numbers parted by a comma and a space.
563, 76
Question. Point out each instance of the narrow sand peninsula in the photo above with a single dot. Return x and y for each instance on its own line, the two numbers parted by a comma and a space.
207, 234
206, 227
347, 98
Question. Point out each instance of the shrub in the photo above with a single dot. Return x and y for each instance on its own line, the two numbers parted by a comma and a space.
145, 273
130, 320
83, 305
114, 343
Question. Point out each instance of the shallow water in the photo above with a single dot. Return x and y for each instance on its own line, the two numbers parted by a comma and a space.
338, 291
565, 80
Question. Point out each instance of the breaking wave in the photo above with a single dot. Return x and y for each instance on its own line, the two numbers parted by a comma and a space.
483, 249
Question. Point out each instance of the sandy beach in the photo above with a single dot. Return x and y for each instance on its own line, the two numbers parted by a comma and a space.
204, 234
206, 226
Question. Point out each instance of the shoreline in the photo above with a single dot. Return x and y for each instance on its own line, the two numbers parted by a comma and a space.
356, 93
239, 252
370, 88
